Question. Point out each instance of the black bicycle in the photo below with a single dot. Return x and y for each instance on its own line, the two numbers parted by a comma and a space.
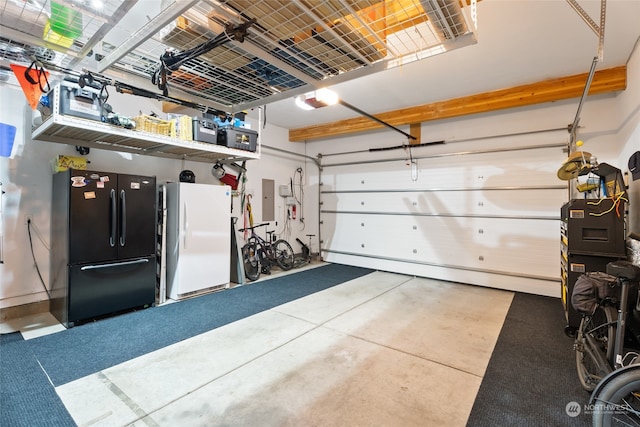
616, 399
260, 255
609, 334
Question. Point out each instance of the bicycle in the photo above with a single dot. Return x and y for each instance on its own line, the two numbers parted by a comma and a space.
260, 255
609, 334
616, 399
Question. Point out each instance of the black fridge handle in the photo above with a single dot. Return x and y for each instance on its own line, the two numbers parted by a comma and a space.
112, 231
123, 218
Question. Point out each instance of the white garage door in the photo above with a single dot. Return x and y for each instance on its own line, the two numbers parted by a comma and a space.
489, 217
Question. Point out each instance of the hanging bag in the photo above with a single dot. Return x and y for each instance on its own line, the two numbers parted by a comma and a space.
591, 288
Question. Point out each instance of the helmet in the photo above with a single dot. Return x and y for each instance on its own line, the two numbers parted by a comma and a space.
218, 171
187, 176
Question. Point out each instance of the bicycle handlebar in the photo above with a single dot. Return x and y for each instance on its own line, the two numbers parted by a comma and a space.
255, 226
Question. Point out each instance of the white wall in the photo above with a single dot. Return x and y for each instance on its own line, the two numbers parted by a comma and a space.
628, 132
26, 180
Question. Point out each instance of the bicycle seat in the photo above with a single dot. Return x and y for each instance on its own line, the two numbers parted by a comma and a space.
624, 269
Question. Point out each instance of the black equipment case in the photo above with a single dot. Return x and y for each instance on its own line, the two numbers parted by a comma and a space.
240, 138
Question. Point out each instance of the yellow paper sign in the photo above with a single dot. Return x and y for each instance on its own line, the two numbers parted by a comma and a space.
69, 162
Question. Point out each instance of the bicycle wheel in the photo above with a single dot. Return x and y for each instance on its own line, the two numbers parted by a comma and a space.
284, 254
251, 261
618, 403
600, 325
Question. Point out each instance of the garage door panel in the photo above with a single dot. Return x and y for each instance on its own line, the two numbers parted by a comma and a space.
449, 172
516, 202
512, 246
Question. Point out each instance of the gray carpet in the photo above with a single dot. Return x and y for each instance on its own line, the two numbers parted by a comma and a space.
531, 376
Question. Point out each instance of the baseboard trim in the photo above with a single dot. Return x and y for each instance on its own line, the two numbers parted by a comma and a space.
18, 311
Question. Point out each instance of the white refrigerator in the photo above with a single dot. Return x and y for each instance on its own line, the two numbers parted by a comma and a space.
198, 238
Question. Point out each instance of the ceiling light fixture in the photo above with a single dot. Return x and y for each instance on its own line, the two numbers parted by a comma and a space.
325, 97
317, 99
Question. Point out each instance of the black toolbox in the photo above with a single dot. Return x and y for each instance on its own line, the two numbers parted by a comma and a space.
240, 138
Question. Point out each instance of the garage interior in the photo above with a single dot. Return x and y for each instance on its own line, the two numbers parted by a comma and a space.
431, 199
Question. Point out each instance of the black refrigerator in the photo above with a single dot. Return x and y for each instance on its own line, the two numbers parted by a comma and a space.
103, 244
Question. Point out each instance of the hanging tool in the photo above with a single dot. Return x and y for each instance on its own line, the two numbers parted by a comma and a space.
171, 61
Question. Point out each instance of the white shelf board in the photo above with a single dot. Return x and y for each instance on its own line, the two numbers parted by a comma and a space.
70, 130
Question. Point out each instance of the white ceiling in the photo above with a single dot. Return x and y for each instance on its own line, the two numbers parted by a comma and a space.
518, 42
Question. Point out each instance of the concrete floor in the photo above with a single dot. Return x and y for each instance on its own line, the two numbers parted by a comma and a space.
384, 349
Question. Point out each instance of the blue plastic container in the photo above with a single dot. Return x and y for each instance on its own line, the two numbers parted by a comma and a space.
7, 136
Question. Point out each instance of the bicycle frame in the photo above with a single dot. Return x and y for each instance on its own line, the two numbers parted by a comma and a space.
596, 355
265, 248
621, 329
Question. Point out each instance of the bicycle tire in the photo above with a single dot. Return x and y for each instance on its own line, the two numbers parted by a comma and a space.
618, 403
589, 373
284, 254
251, 261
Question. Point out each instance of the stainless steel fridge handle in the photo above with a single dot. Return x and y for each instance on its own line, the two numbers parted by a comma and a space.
114, 264
123, 218
112, 231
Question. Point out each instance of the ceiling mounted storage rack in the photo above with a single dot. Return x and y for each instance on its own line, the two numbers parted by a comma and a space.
294, 47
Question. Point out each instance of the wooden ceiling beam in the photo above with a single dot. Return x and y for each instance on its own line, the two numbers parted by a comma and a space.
604, 81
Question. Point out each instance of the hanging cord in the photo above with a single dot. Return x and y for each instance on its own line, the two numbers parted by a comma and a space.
40, 73
35, 263
286, 232
411, 162
299, 198
617, 198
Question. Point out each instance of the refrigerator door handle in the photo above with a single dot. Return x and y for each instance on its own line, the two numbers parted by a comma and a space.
112, 231
123, 218
114, 264
185, 225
